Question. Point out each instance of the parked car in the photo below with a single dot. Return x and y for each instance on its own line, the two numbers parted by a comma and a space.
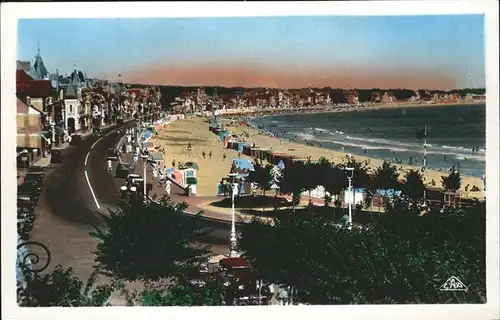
34, 178
122, 170
112, 154
25, 202
75, 139
29, 188
133, 176
36, 169
56, 156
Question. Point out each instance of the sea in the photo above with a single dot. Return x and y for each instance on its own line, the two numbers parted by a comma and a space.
390, 134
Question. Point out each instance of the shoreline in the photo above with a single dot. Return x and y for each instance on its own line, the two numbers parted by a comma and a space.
176, 136
252, 113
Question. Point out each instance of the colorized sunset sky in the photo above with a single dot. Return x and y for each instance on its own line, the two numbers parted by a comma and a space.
433, 52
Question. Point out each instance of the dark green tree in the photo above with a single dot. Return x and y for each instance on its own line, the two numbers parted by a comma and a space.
413, 187
61, 288
293, 181
399, 258
149, 241
453, 181
261, 176
184, 294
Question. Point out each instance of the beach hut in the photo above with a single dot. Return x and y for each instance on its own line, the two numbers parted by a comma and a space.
148, 145
147, 135
355, 199
157, 158
243, 164
223, 134
230, 145
266, 155
246, 150
255, 153
189, 179
241, 146
175, 175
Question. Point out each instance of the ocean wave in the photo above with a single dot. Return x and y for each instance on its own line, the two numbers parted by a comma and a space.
462, 149
328, 131
391, 148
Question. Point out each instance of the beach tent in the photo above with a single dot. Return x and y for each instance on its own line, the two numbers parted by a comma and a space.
243, 164
281, 165
388, 192
147, 135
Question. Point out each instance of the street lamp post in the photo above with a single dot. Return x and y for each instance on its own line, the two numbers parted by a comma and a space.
234, 191
350, 175
24, 158
144, 164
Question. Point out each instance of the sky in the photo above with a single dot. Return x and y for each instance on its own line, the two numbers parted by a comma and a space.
416, 52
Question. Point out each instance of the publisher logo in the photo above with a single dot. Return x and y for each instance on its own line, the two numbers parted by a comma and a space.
453, 284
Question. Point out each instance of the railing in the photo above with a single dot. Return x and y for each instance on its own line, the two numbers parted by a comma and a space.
29, 260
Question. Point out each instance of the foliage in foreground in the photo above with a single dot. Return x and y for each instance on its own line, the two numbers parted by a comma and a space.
61, 288
149, 241
402, 258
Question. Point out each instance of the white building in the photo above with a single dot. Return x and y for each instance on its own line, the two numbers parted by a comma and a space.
71, 109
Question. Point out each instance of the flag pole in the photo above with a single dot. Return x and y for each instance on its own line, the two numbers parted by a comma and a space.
425, 147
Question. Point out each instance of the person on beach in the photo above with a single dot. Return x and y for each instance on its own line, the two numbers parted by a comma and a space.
224, 156
239, 154
173, 163
168, 187
210, 154
203, 154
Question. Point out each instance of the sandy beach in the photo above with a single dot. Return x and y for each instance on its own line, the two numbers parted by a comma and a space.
178, 134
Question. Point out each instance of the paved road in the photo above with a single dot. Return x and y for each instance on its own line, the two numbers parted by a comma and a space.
66, 211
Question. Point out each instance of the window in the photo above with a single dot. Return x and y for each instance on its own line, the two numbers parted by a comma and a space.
70, 108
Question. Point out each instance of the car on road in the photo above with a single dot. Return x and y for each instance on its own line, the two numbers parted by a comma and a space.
112, 154
123, 169
35, 178
25, 202
75, 139
97, 132
56, 156
132, 176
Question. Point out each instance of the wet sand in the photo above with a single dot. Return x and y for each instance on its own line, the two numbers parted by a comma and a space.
176, 136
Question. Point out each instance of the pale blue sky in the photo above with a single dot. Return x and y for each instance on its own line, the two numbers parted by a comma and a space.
109, 46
